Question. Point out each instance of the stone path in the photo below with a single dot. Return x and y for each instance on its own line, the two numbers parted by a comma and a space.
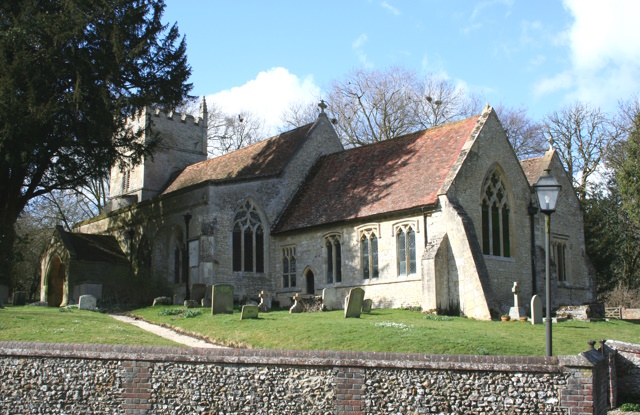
167, 333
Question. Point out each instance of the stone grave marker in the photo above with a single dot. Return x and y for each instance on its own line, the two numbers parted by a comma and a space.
297, 306
162, 301
265, 302
354, 303
198, 292
221, 299
330, 299
87, 302
249, 311
190, 303
516, 311
366, 306
536, 310
178, 299
205, 302
19, 298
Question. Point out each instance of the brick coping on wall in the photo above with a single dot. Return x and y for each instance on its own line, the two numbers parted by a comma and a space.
290, 357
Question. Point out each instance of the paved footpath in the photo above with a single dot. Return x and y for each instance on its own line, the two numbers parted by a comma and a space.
167, 333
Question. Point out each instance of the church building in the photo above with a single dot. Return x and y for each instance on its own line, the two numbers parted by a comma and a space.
443, 219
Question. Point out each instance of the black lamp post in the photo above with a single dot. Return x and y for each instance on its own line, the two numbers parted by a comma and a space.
547, 190
187, 218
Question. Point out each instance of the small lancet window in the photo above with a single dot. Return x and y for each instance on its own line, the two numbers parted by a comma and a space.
406, 250
334, 258
369, 254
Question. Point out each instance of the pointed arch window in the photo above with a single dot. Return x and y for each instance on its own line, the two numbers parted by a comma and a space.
247, 240
496, 238
406, 249
334, 258
369, 254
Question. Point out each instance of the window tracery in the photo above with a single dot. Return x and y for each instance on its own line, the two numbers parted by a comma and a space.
248, 240
334, 258
496, 238
406, 249
369, 253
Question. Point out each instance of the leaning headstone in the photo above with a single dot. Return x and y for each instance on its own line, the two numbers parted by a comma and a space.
190, 303
19, 298
297, 305
330, 299
162, 301
87, 302
198, 292
366, 306
516, 311
205, 302
178, 299
249, 311
354, 305
265, 302
536, 310
221, 299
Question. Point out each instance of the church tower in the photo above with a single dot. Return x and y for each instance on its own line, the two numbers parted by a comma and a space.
181, 141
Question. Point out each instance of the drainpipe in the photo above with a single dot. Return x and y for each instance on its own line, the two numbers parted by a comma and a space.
533, 210
187, 218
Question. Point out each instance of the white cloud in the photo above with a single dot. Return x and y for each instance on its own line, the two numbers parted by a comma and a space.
357, 47
389, 7
604, 53
268, 95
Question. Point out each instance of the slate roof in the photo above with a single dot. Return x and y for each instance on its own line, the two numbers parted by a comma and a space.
97, 248
534, 167
264, 159
389, 176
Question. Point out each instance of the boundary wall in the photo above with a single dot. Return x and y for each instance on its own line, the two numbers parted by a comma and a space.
81, 378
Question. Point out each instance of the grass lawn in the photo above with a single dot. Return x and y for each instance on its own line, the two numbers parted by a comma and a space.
394, 331
48, 324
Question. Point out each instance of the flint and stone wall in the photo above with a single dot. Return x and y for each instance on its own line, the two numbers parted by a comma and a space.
626, 371
66, 378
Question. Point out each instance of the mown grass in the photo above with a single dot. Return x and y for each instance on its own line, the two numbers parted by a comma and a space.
48, 324
387, 330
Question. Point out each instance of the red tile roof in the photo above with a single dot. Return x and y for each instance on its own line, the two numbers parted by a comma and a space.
534, 167
264, 159
390, 176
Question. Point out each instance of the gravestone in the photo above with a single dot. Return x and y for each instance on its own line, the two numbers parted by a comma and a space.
516, 311
221, 299
536, 310
205, 302
366, 306
354, 303
178, 299
19, 298
330, 299
297, 306
198, 292
190, 303
84, 288
249, 311
161, 301
4, 294
265, 302
87, 302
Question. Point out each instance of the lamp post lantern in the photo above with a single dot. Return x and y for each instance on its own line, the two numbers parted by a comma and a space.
547, 191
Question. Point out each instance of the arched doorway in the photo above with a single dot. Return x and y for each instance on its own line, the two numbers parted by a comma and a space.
310, 282
55, 282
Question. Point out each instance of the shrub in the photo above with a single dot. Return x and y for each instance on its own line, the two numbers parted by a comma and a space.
630, 407
170, 312
191, 313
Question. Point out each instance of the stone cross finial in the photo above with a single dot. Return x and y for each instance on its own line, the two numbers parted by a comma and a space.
515, 292
322, 105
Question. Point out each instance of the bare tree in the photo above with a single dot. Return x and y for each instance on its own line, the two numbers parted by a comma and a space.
439, 101
583, 136
227, 133
525, 135
372, 105
298, 114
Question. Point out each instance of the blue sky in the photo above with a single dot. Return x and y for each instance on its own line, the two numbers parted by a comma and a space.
260, 55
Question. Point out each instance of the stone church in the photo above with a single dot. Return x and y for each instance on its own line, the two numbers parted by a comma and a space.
443, 219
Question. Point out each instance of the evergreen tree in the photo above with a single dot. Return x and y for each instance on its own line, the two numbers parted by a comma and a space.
71, 73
